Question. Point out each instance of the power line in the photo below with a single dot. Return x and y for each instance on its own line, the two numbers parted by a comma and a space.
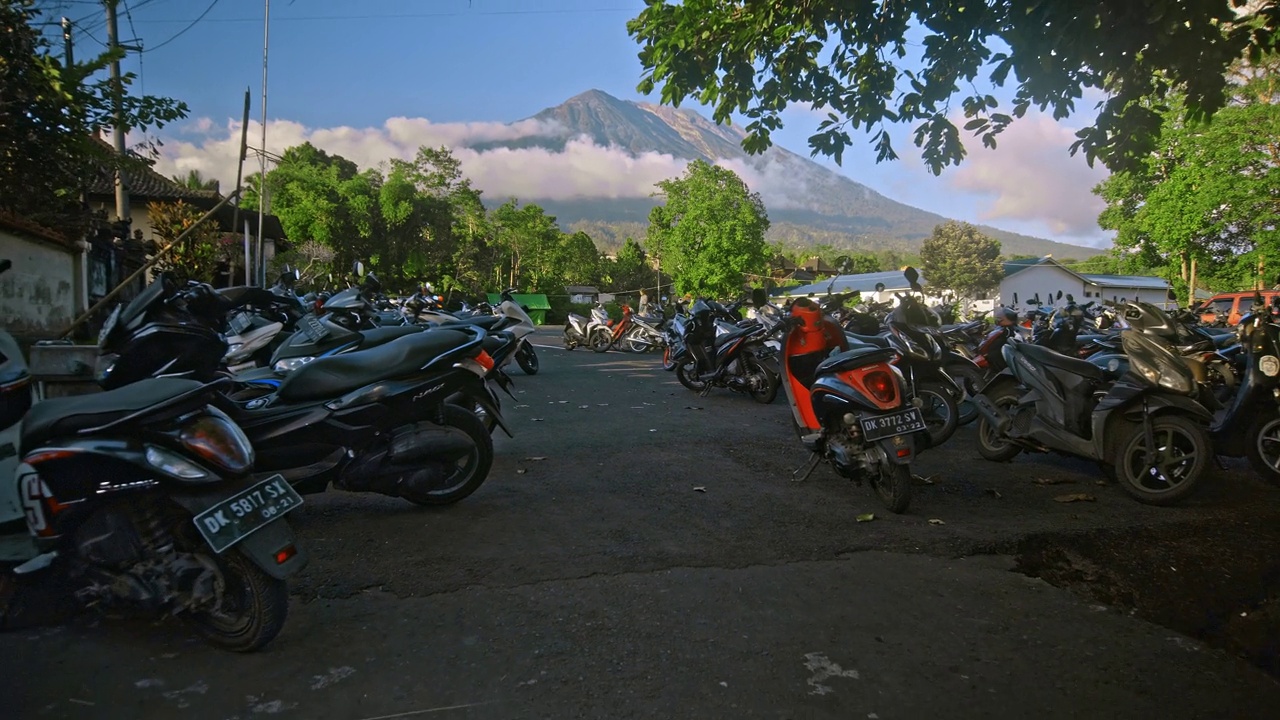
183, 30
402, 16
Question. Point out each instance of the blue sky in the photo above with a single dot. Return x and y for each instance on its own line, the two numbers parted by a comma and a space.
338, 71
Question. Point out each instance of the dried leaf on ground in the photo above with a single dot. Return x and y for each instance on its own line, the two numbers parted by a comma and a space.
699, 488
937, 521
535, 459
1075, 497
866, 517
521, 471
1053, 481
993, 491
583, 407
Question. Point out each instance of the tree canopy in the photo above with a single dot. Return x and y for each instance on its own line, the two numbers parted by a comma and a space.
960, 259
872, 64
49, 110
1208, 193
709, 233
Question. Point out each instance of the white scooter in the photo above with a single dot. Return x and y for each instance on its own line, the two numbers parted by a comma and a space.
16, 397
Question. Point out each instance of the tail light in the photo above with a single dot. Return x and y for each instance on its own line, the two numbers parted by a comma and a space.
214, 437
480, 364
881, 386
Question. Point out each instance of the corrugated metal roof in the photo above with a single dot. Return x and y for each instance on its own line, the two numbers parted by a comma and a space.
865, 282
1127, 281
1012, 266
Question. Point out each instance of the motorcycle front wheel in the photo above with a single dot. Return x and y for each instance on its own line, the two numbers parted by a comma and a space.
687, 374
527, 359
941, 416
668, 359
1182, 450
894, 487
251, 607
631, 342
1263, 445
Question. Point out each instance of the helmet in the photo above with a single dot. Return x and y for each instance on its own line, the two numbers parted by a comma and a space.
1004, 313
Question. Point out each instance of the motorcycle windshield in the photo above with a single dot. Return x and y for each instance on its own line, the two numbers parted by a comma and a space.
1156, 362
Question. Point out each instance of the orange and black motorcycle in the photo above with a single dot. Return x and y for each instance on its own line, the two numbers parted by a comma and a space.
850, 406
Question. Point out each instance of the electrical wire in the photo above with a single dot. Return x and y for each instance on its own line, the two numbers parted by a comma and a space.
183, 30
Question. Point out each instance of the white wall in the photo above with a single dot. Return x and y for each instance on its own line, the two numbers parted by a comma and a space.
1044, 279
38, 295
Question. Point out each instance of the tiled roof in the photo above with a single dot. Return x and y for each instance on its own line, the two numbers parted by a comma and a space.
9, 221
145, 183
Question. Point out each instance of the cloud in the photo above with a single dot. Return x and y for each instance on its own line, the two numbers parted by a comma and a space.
1030, 176
581, 169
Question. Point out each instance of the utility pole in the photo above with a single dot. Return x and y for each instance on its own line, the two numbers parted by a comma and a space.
66, 42
117, 97
262, 154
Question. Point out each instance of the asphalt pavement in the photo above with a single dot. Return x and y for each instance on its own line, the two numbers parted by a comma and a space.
640, 551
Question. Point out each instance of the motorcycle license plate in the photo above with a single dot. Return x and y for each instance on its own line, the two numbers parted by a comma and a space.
240, 322
235, 518
876, 427
313, 328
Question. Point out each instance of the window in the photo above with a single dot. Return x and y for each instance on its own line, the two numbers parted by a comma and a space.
1245, 304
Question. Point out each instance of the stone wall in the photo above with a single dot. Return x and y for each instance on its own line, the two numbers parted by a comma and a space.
37, 294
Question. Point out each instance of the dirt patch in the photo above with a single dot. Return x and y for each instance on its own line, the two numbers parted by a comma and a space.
1215, 581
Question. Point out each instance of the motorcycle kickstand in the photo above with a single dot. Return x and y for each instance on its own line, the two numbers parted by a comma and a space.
808, 468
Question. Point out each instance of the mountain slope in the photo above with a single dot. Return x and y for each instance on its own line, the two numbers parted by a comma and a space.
807, 203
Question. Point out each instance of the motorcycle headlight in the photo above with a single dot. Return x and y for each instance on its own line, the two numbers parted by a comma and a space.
288, 365
1269, 365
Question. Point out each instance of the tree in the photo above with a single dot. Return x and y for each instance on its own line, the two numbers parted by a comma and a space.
196, 180
197, 256
1207, 194
529, 237
709, 233
959, 259
49, 110
855, 59
630, 268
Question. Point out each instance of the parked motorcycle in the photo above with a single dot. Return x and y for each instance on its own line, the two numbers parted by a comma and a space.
738, 360
143, 497
1147, 426
375, 420
849, 405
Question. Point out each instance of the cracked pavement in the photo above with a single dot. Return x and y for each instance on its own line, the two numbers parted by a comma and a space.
597, 583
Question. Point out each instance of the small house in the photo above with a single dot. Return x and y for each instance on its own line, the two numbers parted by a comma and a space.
1047, 277
579, 294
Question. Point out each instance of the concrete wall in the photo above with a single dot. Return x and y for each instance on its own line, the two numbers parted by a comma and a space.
37, 295
1046, 280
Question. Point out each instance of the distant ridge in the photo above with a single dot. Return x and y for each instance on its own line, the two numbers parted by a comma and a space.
815, 205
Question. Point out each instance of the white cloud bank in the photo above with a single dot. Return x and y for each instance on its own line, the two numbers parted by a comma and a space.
581, 169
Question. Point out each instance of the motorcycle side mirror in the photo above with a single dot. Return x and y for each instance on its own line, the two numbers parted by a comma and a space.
758, 297
1060, 295
1035, 300
1070, 299
357, 267
879, 287
1172, 295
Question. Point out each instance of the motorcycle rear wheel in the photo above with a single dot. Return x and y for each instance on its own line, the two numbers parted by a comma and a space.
1183, 450
941, 416
467, 474
631, 342
600, 340
990, 446
763, 395
253, 605
894, 487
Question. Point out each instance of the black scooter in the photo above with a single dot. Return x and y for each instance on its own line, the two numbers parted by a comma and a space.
143, 497
1147, 427
1249, 425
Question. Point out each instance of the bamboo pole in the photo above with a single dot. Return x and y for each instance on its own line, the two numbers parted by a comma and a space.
147, 265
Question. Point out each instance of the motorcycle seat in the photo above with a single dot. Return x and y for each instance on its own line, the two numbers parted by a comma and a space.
734, 335
879, 341
1044, 356
62, 416
854, 357
327, 378
488, 322
383, 335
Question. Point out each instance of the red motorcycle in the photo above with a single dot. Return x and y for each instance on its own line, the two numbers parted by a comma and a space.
617, 330
850, 407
